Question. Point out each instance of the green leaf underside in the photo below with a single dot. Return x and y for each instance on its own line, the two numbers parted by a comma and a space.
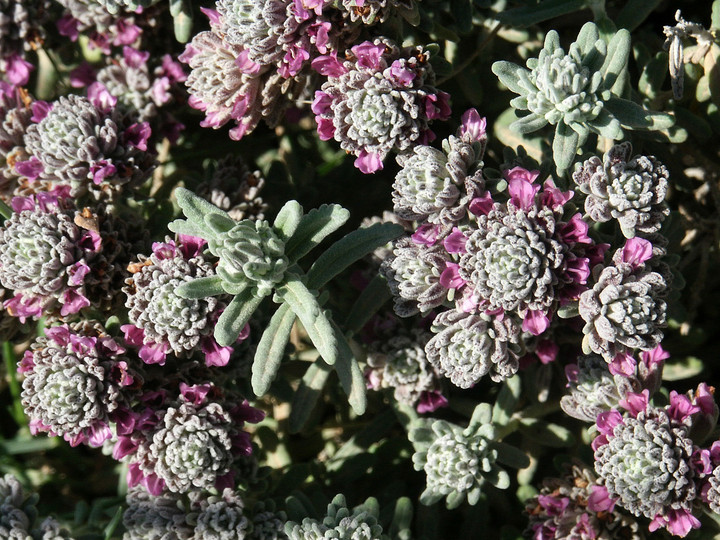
235, 317
288, 219
202, 287
307, 394
313, 228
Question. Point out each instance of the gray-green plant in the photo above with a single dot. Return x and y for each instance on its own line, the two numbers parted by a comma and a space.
579, 92
257, 260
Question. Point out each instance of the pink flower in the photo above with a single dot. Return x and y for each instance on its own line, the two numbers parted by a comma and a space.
368, 162
455, 242
431, 401
680, 406
368, 54
547, 351
328, 66
535, 322
82, 76
99, 96
636, 251
677, 522
137, 135
437, 106
473, 128
623, 364
450, 277
522, 192
67, 26
426, 234
518, 173
30, 169
18, 70
400, 75
481, 205
635, 403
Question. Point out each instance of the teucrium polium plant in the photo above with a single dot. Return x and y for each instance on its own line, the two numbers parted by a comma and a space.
578, 92
257, 259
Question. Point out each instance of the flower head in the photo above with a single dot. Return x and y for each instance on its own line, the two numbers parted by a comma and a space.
360, 523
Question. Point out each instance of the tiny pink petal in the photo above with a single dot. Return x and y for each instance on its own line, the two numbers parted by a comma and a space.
426, 234
535, 322
636, 251
473, 128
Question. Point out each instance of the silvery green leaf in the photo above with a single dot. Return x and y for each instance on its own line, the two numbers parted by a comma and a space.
202, 287
715, 17
349, 372
314, 228
587, 40
653, 75
288, 219
350, 248
537, 13
181, 11
552, 41
632, 115
511, 456
507, 399
271, 349
529, 123
616, 59
5, 211
307, 394
312, 316
508, 73
232, 321
185, 226
481, 415
402, 517
218, 223
565, 146
195, 208
498, 477
568, 311
608, 126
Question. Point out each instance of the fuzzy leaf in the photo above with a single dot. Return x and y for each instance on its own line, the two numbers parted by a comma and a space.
349, 372
537, 13
271, 349
510, 455
313, 228
307, 394
632, 115
319, 328
508, 73
482, 415
232, 321
288, 219
506, 401
196, 208
653, 75
565, 146
181, 11
547, 434
402, 517
587, 38
184, 226
529, 123
616, 59
202, 287
715, 17
350, 248
218, 223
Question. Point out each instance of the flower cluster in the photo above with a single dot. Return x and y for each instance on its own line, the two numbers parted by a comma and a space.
17, 114
21, 28
88, 145
649, 461
183, 443
576, 506
379, 99
77, 378
55, 259
161, 321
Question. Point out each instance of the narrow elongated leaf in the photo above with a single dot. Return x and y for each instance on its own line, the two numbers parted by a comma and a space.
271, 349
307, 394
319, 328
371, 299
632, 115
350, 374
218, 223
184, 226
506, 401
634, 12
616, 59
202, 287
508, 73
5, 211
288, 219
314, 228
587, 38
537, 13
181, 11
529, 123
235, 317
565, 145
402, 517
196, 208
548, 434
715, 17
511, 456
350, 248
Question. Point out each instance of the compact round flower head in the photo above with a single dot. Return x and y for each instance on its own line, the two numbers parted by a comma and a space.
457, 462
76, 378
576, 506
18, 515
413, 275
523, 257
161, 320
400, 363
593, 389
577, 92
234, 189
379, 99
468, 346
128, 78
360, 523
151, 517
625, 308
267, 523
227, 85
645, 459
218, 517
46, 259
88, 145
630, 190
436, 186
